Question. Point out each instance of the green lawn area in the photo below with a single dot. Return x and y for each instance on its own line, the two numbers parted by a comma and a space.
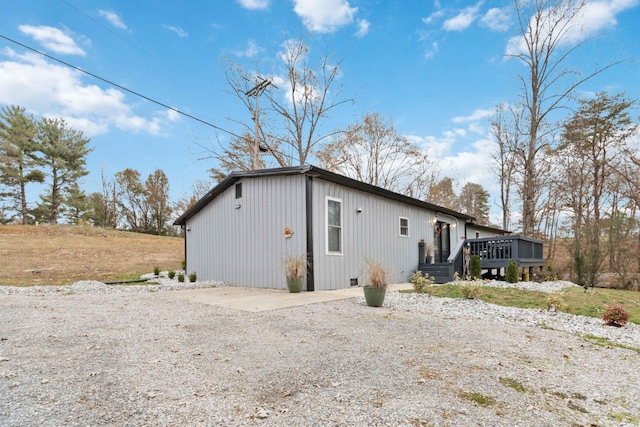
593, 303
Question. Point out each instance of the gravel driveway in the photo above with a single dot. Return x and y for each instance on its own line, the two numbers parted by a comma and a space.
148, 358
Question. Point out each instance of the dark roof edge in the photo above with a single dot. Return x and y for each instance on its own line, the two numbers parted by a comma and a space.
231, 179
316, 172
491, 228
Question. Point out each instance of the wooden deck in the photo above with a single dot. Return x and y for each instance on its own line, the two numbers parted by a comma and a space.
494, 253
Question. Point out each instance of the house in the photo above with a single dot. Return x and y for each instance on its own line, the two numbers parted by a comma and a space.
243, 228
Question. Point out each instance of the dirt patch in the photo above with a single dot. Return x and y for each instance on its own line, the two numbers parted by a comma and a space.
59, 255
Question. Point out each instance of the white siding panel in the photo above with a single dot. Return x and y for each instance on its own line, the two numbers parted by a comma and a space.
246, 246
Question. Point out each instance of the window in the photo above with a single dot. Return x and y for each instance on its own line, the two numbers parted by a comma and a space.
404, 227
334, 225
239, 190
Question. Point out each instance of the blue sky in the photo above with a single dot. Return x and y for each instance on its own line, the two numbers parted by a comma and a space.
436, 69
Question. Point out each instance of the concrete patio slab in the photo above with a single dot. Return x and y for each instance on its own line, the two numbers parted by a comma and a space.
255, 300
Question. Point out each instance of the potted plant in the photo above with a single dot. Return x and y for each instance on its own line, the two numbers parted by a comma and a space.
295, 268
376, 279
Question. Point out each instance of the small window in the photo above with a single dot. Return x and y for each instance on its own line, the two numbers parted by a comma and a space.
239, 190
334, 226
404, 227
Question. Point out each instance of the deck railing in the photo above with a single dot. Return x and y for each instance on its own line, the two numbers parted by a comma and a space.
494, 252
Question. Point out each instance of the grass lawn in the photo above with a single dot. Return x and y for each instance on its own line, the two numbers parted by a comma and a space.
593, 303
60, 255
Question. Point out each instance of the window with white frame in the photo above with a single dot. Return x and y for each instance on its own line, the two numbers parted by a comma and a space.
334, 225
404, 227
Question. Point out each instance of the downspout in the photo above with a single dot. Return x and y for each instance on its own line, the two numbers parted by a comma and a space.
184, 228
309, 231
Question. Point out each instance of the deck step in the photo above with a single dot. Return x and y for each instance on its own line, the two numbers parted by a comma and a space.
441, 272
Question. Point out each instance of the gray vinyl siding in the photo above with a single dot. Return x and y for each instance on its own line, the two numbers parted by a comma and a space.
373, 233
245, 246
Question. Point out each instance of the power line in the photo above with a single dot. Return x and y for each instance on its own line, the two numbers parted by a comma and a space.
133, 92
120, 86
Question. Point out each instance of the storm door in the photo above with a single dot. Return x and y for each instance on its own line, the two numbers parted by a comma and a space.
442, 242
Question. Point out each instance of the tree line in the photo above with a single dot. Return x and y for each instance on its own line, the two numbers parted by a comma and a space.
51, 153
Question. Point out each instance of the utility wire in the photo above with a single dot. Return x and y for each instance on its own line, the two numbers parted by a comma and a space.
134, 92
120, 86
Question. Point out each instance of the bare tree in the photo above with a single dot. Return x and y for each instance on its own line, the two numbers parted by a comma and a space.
373, 151
507, 154
294, 106
237, 156
546, 42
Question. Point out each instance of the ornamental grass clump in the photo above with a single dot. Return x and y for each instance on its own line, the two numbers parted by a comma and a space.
295, 267
180, 277
171, 274
376, 274
421, 281
616, 315
192, 277
156, 271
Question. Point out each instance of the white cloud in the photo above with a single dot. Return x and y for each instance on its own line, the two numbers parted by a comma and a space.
592, 18
324, 16
496, 19
53, 39
363, 28
254, 4
179, 31
431, 50
113, 18
55, 91
435, 15
250, 51
463, 19
477, 115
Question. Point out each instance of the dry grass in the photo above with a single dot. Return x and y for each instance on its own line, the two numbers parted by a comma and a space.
48, 255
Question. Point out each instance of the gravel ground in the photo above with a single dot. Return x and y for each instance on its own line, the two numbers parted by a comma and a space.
91, 354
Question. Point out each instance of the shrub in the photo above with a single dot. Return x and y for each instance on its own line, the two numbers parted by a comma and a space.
469, 290
180, 277
616, 315
184, 264
421, 281
512, 272
156, 270
193, 277
456, 276
475, 271
555, 301
171, 274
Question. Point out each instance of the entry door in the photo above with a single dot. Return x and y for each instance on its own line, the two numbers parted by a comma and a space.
443, 245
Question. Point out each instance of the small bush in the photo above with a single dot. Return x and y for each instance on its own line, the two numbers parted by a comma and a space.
512, 272
184, 264
475, 271
192, 277
469, 290
555, 301
616, 315
421, 281
171, 274
156, 270
180, 277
